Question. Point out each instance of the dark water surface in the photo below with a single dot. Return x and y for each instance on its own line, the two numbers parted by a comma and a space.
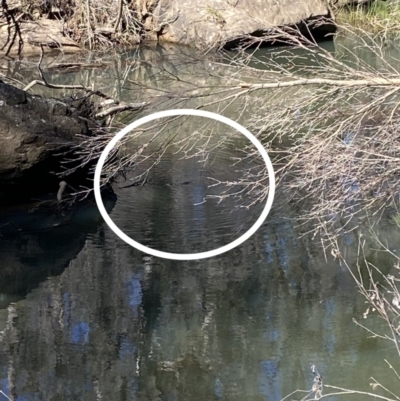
84, 316
179, 209
246, 325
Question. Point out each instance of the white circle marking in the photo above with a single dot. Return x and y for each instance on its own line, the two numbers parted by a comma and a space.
184, 256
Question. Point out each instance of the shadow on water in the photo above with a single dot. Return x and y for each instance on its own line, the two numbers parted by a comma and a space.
37, 244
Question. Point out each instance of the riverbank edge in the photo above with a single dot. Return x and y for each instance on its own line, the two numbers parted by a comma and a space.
25, 33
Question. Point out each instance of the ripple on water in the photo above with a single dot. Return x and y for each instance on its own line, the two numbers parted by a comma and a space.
174, 211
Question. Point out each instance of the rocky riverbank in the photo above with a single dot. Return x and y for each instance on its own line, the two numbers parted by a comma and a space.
25, 25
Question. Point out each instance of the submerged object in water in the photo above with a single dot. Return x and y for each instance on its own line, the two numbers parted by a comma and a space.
60, 192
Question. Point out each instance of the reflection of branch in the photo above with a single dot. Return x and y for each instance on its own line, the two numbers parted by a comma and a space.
120, 106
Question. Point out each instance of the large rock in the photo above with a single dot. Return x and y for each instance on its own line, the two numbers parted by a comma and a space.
201, 23
48, 33
32, 129
34, 134
210, 22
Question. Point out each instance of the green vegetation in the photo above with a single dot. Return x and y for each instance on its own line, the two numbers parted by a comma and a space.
396, 219
377, 16
215, 14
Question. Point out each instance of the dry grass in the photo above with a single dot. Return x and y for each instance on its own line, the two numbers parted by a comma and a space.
380, 16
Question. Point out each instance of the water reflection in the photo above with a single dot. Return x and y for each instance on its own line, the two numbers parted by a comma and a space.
34, 245
178, 208
116, 324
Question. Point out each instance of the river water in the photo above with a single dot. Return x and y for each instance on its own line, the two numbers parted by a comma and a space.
84, 316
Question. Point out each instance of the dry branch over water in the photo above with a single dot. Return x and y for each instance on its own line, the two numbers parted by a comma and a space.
332, 121
329, 120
